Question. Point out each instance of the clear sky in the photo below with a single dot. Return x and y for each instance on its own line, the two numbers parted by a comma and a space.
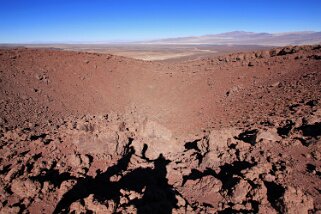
24, 21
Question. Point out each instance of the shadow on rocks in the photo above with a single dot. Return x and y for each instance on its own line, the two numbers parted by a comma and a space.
158, 195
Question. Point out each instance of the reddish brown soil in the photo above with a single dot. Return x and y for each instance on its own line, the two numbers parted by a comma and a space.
89, 132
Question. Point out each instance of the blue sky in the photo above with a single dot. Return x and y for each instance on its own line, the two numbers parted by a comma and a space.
25, 21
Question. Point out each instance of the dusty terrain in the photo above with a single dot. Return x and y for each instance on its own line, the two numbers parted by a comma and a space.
150, 51
98, 133
248, 38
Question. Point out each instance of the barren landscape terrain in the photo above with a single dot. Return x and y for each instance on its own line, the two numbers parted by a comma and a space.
153, 52
220, 132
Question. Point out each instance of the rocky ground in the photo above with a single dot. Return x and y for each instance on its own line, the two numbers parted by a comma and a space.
94, 133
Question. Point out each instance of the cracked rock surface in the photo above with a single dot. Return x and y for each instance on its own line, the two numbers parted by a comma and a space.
258, 151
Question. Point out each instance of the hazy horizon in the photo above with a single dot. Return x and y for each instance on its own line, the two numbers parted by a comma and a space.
57, 21
147, 41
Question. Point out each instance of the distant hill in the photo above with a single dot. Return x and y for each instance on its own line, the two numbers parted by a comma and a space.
248, 38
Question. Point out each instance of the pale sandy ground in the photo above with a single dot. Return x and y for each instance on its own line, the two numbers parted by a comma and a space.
149, 52
149, 55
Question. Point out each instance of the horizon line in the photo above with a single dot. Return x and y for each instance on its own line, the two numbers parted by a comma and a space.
147, 41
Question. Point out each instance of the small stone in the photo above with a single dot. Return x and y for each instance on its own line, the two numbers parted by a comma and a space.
10, 210
308, 155
268, 134
276, 84
269, 178
233, 90
251, 64
316, 155
296, 201
134, 195
85, 161
123, 200
180, 201
240, 191
77, 207
97, 207
25, 188
74, 160
31, 125
39, 76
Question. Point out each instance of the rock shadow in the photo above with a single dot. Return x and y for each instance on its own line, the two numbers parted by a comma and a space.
229, 174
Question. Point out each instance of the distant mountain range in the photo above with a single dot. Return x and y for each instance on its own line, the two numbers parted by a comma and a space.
248, 38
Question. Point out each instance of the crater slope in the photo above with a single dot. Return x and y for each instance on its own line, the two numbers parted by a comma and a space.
85, 132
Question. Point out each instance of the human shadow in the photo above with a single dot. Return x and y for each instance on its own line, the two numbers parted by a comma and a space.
100, 185
158, 195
